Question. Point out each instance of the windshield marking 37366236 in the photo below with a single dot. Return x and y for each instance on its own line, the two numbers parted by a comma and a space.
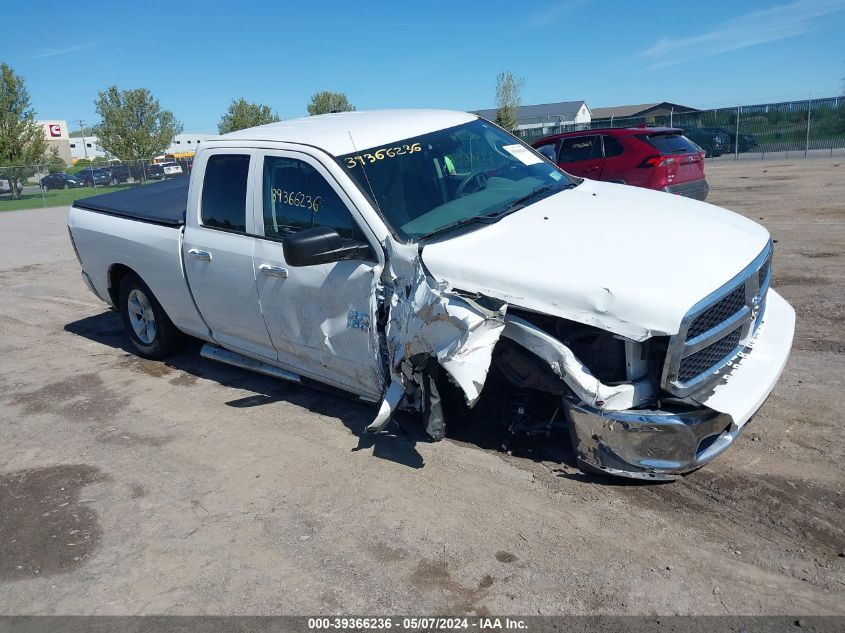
470, 173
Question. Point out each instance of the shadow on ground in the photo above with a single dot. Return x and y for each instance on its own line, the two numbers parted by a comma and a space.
484, 429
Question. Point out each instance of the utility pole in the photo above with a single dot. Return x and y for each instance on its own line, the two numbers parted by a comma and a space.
84, 145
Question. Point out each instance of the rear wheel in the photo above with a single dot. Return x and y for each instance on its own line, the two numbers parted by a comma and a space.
67, 186
150, 330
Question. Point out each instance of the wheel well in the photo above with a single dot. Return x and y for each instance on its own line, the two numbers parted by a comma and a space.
116, 274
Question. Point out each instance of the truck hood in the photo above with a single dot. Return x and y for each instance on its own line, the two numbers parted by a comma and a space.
624, 259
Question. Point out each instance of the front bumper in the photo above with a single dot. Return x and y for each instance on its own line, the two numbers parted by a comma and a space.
696, 189
648, 444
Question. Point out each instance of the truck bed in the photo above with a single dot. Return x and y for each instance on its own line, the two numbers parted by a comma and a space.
159, 203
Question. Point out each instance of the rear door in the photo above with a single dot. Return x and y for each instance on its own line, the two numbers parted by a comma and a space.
321, 318
217, 251
582, 156
617, 162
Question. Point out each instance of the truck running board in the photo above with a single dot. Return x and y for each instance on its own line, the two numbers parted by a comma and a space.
245, 362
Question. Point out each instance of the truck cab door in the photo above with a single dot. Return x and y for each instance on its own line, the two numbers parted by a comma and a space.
217, 252
322, 317
582, 156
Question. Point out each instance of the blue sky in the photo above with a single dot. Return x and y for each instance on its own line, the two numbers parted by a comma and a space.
197, 56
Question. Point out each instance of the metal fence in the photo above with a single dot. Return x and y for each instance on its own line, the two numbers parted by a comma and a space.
811, 127
46, 185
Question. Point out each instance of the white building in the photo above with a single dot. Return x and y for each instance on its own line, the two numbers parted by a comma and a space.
89, 147
187, 142
544, 117
86, 147
56, 135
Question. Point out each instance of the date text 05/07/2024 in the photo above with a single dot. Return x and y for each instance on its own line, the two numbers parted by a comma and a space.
417, 623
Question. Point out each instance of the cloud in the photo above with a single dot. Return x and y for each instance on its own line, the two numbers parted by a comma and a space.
551, 14
758, 27
56, 52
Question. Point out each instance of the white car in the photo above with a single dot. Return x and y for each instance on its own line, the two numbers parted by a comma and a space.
428, 260
171, 169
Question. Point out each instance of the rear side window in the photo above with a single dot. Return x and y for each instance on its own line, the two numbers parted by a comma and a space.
224, 192
612, 147
670, 143
579, 148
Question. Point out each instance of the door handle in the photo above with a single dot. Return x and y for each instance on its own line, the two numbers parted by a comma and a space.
203, 256
273, 271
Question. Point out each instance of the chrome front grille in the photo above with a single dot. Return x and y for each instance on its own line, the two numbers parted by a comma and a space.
705, 358
718, 312
717, 329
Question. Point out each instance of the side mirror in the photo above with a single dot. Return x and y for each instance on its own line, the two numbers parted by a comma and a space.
321, 245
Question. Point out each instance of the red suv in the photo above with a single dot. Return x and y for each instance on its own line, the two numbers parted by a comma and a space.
659, 158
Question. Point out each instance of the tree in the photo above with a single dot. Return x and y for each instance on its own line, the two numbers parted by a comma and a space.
326, 101
133, 125
55, 163
508, 89
243, 114
22, 142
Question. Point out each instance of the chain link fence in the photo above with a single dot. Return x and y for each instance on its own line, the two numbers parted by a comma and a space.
55, 184
792, 129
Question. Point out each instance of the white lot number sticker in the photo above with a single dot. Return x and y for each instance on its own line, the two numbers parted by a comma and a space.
522, 154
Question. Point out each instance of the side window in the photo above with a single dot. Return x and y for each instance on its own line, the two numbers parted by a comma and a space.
224, 192
296, 196
612, 147
579, 148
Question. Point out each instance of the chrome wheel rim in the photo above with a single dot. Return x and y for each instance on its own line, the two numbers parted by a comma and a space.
141, 317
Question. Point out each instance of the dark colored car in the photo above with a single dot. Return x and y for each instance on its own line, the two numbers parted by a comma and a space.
154, 171
651, 157
746, 142
713, 140
119, 173
61, 180
92, 176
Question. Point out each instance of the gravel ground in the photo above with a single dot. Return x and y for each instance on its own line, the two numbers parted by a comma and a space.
136, 487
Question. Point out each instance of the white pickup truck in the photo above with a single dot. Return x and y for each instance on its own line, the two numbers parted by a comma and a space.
412, 257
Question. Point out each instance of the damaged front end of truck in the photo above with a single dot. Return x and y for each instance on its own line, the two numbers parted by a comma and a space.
649, 408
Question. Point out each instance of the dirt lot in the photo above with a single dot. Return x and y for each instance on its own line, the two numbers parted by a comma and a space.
129, 486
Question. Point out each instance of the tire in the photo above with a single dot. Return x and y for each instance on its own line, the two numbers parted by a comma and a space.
148, 327
114, 181
67, 186
45, 188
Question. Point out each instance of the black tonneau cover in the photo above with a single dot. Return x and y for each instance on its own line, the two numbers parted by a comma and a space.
160, 203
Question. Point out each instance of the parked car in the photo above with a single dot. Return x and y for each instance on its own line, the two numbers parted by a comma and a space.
171, 169
649, 157
92, 176
5, 184
427, 259
119, 173
153, 171
727, 138
714, 141
61, 180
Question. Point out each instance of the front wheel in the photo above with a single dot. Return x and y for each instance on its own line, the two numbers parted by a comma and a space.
150, 330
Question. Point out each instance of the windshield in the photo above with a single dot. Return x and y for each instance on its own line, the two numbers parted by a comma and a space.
425, 184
